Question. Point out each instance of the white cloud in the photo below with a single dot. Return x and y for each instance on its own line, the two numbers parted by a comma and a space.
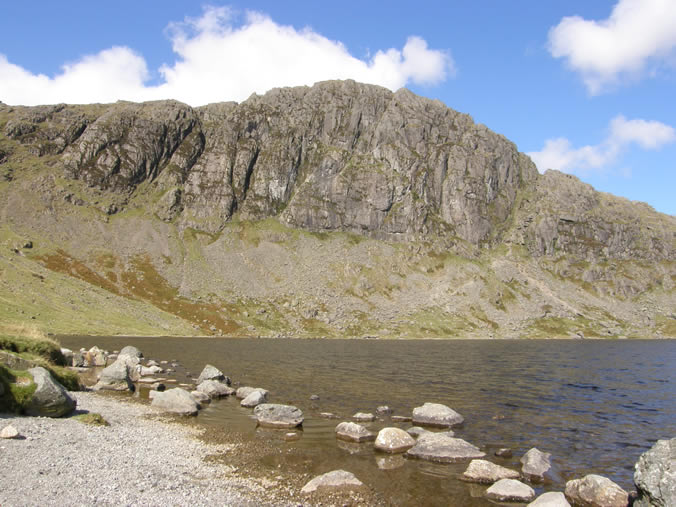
637, 35
218, 60
559, 153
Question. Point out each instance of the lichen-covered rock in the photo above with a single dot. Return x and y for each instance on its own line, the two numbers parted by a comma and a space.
50, 399
436, 414
596, 491
353, 432
485, 472
393, 440
655, 475
331, 482
273, 415
443, 449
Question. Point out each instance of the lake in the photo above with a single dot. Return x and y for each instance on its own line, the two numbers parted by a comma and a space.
596, 406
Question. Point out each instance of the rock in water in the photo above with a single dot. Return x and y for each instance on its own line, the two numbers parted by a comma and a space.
132, 352
9, 432
655, 475
394, 440
118, 376
255, 398
383, 410
212, 373
436, 414
353, 432
535, 464
50, 399
550, 499
215, 389
596, 491
176, 401
510, 490
243, 392
338, 480
200, 397
363, 417
272, 415
416, 431
485, 472
95, 357
443, 449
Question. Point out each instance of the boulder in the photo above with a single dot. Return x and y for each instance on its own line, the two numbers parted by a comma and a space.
67, 356
331, 482
215, 389
212, 373
78, 360
550, 499
510, 490
118, 376
95, 357
655, 475
363, 417
243, 392
353, 432
50, 399
596, 491
272, 415
535, 464
132, 352
383, 410
394, 440
177, 401
485, 472
255, 398
202, 398
9, 432
443, 449
436, 414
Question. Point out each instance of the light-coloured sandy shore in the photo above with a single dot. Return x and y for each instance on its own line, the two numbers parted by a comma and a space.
137, 460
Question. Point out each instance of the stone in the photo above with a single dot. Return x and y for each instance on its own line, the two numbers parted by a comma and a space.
158, 386
655, 475
215, 389
152, 362
550, 499
390, 462
117, 376
255, 398
400, 418
510, 490
132, 352
436, 414
78, 360
9, 432
504, 453
596, 491
383, 410
177, 401
243, 392
212, 373
271, 415
328, 415
314, 397
147, 371
50, 399
289, 437
95, 357
485, 472
363, 417
353, 432
535, 464
201, 397
443, 449
416, 431
332, 482
394, 440
67, 356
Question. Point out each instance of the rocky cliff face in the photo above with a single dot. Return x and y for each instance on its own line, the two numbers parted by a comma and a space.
336, 157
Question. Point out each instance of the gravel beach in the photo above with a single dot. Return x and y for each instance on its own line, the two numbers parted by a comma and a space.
137, 460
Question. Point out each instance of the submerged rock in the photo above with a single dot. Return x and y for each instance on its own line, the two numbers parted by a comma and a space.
436, 414
177, 401
338, 480
50, 398
394, 440
443, 449
596, 491
535, 464
655, 475
353, 432
485, 472
510, 490
272, 415
550, 499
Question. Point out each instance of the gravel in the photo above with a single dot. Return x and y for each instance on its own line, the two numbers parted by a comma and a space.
137, 460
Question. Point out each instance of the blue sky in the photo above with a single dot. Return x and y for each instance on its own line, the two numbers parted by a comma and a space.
585, 87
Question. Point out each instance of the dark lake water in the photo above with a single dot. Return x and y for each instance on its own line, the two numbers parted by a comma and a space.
596, 406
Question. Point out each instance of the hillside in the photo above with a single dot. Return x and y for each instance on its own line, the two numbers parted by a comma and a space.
335, 210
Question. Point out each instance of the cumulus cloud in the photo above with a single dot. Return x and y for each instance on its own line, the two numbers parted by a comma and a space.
218, 59
638, 36
560, 154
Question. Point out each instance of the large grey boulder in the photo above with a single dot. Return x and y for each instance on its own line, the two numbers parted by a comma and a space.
655, 475
215, 389
550, 499
95, 357
255, 398
132, 352
596, 491
436, 414
485, 472
535, 464
331, 482
50, 398
176, 401
443, 449
118, 376
510, 490
394, 440
353, 432
272, 415
212, 373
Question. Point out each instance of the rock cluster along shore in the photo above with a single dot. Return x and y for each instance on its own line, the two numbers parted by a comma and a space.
655, 472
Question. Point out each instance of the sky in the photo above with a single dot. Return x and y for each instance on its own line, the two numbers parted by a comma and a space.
584, 87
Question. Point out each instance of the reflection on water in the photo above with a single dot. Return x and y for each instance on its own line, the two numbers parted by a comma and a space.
594, 405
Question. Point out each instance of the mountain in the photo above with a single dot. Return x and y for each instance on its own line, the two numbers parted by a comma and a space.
341, 209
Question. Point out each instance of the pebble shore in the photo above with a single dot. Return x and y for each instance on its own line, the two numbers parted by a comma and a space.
137, 460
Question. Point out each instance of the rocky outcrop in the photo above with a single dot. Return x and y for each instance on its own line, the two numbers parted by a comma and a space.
50, 399
655, 475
